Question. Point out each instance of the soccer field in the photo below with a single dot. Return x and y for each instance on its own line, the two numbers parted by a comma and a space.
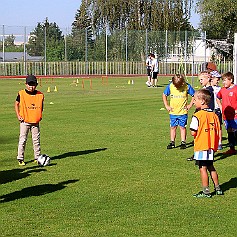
110, 174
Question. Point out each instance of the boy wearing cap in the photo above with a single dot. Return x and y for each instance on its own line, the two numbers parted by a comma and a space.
29, 108
215, 79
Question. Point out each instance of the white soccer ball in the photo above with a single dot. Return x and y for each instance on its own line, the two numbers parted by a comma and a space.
43, 160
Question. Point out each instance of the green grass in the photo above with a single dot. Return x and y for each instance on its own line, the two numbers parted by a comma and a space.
110, 173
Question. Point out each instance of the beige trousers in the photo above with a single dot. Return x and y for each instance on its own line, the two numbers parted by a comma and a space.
35, 133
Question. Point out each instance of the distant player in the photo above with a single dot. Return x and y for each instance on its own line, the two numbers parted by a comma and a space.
148, 67
154, 70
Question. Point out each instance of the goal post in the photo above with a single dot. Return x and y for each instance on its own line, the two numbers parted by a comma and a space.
235, 59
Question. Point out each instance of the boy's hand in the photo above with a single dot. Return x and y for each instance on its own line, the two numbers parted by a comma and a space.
169, 108
20, 118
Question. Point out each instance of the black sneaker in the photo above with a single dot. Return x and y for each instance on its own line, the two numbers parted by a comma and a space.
202, 195
190, 158
183, 145
171, 145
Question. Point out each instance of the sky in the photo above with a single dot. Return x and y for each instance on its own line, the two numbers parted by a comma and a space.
29, 13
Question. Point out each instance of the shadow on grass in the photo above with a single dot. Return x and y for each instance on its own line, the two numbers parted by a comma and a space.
221, 156
232, 183
77, 153
37, 190
7, 176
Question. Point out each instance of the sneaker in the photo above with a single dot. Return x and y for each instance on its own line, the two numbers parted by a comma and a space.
219, 147
230, 152
202, 195
21, 163
219, 192
190, 158
171, 145
183, 145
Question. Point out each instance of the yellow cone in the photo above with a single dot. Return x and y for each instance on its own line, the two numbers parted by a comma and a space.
48, 89
55, 88
129, 82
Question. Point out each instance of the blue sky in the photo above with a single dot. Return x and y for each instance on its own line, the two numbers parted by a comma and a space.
29, 13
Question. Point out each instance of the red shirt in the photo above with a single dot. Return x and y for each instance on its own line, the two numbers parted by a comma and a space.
229, 102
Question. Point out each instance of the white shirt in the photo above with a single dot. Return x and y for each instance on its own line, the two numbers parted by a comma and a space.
155, 65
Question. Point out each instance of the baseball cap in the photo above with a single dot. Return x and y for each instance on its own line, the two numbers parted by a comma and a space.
215, 74
31, 79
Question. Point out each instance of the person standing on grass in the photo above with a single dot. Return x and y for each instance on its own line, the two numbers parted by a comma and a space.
227, 100
148, 68
205, 127
205, 80
29, 108
178, 90
154, 70
215, 79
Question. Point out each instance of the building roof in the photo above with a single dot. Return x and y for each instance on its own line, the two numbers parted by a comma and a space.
18, 57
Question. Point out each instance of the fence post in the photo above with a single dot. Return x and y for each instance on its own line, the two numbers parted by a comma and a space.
126, 40
3, 43
166, 50
235, 58
86, 52
146, 42
24, 55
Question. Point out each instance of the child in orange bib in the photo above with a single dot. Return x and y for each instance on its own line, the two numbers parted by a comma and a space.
29, 108
205, 128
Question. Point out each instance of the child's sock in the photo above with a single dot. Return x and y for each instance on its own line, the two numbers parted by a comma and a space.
217, 187
206, 190
231, 139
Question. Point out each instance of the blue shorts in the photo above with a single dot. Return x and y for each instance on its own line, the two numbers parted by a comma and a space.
231, 124
178, 120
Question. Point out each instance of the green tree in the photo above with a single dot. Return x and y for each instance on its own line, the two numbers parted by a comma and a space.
9, 44
218, 18
219, 21
126, 20
135, 14
54, 41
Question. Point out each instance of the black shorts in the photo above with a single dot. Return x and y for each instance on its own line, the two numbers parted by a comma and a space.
148, 71
154, 75
206, 163
219, 114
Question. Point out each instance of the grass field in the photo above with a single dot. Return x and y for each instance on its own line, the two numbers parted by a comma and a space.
110, 174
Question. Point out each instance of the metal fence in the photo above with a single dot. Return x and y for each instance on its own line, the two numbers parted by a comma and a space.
119, 52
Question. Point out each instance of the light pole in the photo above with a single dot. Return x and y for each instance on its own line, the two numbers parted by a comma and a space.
45, 45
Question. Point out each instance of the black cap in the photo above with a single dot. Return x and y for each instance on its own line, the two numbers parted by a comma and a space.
31, 79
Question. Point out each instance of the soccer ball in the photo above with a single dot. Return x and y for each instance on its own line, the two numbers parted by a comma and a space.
43, 160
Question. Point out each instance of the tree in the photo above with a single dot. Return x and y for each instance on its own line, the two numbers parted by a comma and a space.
54, 41
218, 18
120, 20
9, 44
135, 14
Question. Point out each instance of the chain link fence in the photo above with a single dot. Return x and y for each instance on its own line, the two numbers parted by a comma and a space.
41, 51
